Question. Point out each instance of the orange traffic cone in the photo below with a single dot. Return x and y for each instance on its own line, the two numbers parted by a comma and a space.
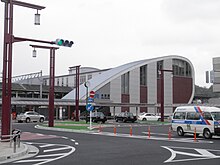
149, 132
115, 130
131, 131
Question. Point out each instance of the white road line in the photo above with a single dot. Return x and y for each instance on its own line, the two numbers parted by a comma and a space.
200, 155
47, 145
50, 155
72, 140
56, 156
31, 160
76, 143
65, 137
57, 149
205, 152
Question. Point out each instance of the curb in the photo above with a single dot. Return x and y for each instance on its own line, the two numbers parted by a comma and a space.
63, 129
15, 155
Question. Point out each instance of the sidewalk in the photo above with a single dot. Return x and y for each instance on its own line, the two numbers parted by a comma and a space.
7, 152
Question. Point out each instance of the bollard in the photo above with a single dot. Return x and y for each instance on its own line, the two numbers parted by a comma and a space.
169, 133
115, 130
19, 140
131, 131
14, 139
149, 132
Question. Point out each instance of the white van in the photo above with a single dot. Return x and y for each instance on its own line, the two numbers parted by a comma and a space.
206, 120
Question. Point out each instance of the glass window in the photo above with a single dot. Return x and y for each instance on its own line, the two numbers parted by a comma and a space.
207, 116
216, 115
181, 68
179, 115
143, 75
193, 116
125, 83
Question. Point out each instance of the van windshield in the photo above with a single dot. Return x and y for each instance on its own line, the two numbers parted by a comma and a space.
216, 115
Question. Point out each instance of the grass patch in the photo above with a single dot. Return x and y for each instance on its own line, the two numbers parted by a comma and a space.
70, 122
72, 127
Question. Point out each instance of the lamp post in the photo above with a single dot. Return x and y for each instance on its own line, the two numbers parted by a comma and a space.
52, 75
7, 60
87, 84
162, 92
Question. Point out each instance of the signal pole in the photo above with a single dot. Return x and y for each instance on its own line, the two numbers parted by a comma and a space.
52, 75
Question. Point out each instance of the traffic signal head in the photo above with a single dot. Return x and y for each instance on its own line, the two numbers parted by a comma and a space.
62, 42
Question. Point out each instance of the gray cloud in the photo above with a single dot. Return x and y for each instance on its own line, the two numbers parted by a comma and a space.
191, 10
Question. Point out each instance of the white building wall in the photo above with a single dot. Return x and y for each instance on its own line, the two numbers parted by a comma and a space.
134, 87
152, 85
115, 94
168, 87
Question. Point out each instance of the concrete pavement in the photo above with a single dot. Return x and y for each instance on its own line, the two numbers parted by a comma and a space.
24, 151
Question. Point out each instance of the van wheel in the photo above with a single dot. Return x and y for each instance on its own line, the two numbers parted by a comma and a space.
207, 134
180, 131
144, 119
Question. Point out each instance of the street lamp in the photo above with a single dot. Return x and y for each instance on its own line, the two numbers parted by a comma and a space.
7, 61
162, 92
87, 84
37, 19
34, 53
52, 75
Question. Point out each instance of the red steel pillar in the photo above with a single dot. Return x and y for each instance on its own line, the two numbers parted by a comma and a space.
7, 69
51, 92
77, 93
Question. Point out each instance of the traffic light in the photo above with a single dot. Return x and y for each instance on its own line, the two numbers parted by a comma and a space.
62, 42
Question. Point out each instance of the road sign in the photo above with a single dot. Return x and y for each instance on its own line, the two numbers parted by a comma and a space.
91, 94
90, 100
89, 107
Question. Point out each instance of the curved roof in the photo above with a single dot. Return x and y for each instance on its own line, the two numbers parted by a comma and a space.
105, 77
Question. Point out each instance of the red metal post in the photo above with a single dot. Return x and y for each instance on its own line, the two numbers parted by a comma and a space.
162, 96
7, 64
77, 93
51, 94
7, 61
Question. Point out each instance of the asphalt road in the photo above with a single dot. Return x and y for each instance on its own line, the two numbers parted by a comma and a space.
106, 148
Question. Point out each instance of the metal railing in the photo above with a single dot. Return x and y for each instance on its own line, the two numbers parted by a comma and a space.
13, 138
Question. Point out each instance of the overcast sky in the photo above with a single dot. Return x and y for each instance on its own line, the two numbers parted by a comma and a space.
109, 33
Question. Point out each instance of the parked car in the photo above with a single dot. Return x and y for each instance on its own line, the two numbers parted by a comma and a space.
30, 116
125, 116
97, 117
149, 116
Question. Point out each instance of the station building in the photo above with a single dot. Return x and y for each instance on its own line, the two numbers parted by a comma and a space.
136, 86
133, 87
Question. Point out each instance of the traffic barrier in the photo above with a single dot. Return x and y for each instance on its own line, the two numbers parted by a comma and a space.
169, 133
131, 131
149, 132
115, 130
